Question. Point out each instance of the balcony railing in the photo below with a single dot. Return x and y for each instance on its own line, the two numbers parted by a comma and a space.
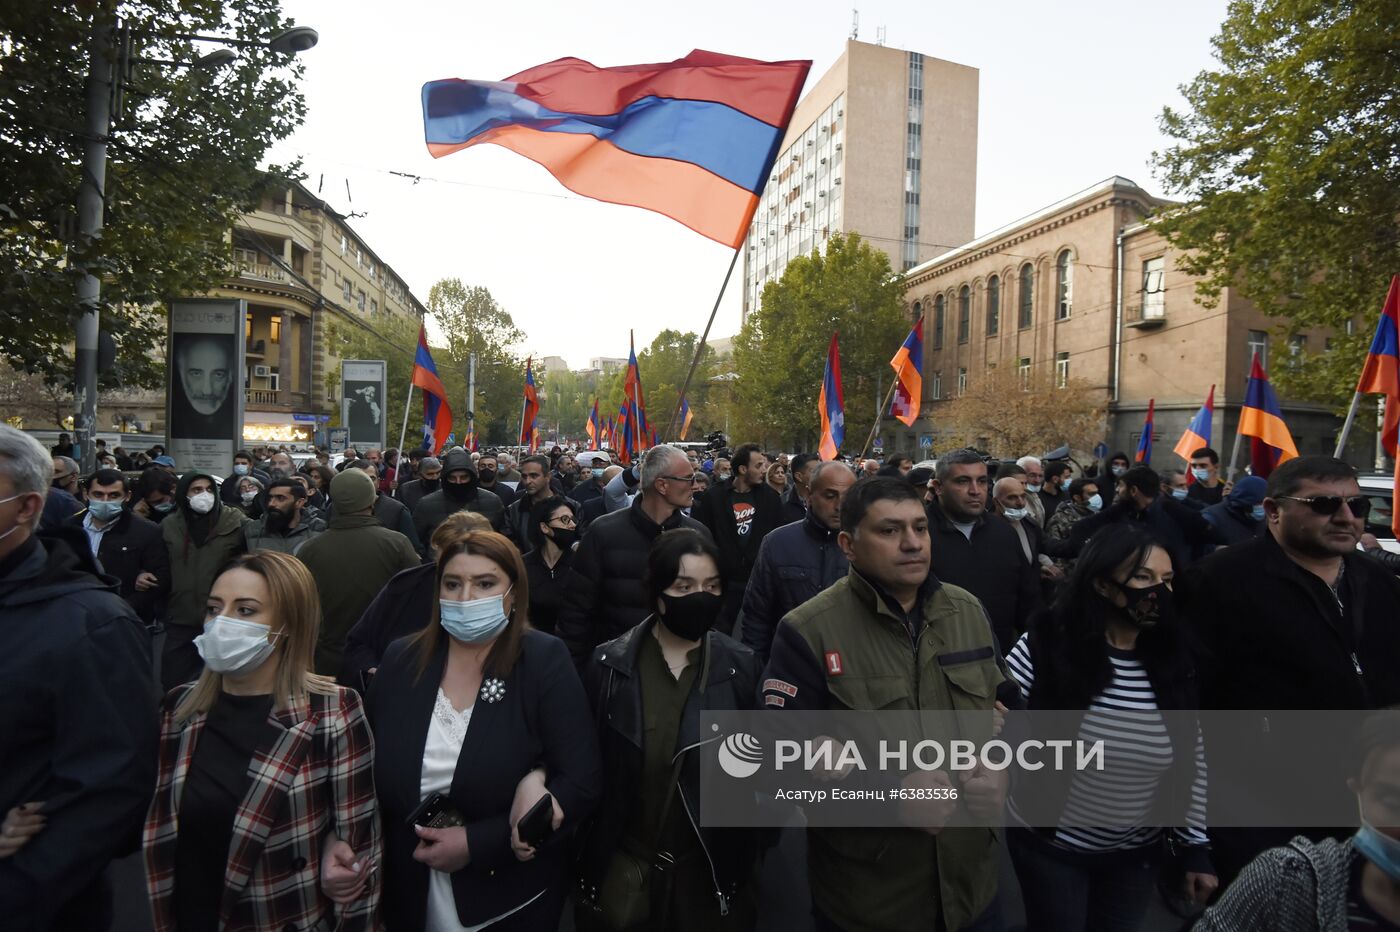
1146, 315
260, 396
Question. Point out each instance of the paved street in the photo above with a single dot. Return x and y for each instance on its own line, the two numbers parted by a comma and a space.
784, 899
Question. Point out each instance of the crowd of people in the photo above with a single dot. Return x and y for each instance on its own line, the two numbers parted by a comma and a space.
463, 691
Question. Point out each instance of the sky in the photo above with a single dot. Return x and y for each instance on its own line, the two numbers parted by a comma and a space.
1070, 94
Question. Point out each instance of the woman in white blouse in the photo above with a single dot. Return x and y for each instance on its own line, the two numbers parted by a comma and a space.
487, 714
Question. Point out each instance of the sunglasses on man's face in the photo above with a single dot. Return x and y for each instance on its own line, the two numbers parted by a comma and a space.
1358, 505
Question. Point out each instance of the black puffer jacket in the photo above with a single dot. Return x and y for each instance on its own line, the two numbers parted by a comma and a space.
603, 596
730, 673
795, 562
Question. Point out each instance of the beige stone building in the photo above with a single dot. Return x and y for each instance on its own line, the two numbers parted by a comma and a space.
884, 145
302, 270
1089, 290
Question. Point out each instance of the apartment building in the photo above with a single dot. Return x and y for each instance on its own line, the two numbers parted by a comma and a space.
884, 145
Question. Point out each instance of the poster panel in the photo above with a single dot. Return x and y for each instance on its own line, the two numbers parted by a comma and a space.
362, 401
205, 375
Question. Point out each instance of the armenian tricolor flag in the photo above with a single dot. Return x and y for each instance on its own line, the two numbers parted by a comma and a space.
1262, 419
532, 408
908, 366
1381, 375
831, 404
634, 404
592, 428
1197, 433
1144, 450
686, 417
437, 414
693, 139
622, 435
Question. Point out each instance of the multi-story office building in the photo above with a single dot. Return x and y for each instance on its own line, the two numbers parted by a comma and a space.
884, 145
1088, 286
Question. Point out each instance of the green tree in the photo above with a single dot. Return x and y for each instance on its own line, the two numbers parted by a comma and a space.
780, 353
568, 401
1289, 155
473, 322
183, 165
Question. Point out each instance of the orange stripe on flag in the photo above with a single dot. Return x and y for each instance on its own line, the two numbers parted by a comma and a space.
1255, 422
688, 194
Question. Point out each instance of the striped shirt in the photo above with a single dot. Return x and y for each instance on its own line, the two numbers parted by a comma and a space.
1108, 810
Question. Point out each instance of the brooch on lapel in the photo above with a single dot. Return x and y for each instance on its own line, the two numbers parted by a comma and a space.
493, 690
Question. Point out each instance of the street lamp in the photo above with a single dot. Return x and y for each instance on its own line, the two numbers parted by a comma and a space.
107, 65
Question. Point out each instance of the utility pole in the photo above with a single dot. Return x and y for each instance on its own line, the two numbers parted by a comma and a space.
471, 395
91, 196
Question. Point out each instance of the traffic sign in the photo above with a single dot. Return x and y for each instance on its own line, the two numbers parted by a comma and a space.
1100, 450
926, 441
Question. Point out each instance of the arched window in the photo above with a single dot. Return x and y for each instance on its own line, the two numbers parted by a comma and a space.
964, 313
938, 322
993, 305
1064, 285
1027, 296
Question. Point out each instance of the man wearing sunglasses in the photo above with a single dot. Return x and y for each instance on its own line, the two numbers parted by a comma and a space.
1296, 618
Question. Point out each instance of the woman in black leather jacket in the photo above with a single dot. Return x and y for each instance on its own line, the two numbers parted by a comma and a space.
648, 689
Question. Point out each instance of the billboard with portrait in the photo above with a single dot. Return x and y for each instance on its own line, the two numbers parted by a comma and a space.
204, 394
362, 401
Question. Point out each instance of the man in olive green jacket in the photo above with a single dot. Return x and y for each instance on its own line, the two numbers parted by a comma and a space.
202, 535
850, 648
351, 561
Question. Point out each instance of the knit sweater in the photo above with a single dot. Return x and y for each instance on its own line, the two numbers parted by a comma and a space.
1300, 887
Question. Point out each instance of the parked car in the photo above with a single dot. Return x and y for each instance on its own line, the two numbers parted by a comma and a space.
1380, 489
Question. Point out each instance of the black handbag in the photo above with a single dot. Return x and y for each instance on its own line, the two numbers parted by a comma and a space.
637, 879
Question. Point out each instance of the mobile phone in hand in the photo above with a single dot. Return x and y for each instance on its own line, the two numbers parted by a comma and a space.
436, 811
538, 824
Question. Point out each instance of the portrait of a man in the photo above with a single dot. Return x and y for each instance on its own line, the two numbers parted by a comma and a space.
202, 389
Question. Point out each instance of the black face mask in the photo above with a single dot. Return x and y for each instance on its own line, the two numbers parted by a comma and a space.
1147, 608
277, 520
564, 537
487, 475
431, 485
457, 491
689, 616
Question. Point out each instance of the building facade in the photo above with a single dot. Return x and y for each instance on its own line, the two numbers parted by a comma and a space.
303, 272
884, 145
1087, 289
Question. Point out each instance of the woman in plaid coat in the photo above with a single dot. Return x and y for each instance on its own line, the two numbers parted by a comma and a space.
264, 817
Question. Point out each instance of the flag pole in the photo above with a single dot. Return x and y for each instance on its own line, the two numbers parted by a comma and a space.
403, 434
634, 407
1346, 425
700, 347
876, 426
1235, 454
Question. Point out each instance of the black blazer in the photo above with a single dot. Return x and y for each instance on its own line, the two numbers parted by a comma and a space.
543, 718
133, 546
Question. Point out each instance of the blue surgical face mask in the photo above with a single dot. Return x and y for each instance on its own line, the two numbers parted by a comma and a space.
1033, 488
104, 511
1179, 494
1095, 502
597, 472
1378, 848
240, 469
475, 621
1118, 471
1257, 512
1201, 475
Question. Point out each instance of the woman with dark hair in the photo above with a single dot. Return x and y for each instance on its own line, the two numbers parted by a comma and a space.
464, 712
1110, 644
320, 496
648, 689
552, 532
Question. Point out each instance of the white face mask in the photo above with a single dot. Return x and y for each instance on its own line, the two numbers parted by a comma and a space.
16, 527
1015, 514
233, 647
203, 503
247, 496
